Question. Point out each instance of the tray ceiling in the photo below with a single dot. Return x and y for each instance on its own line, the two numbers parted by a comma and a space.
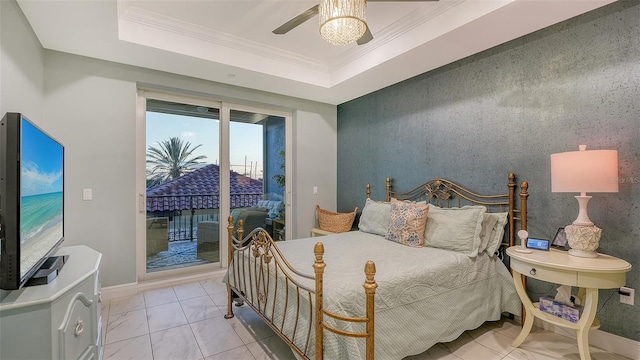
231, 41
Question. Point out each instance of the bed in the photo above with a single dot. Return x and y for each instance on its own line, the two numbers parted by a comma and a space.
311, 293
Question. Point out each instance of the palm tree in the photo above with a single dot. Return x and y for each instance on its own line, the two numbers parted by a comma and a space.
170, 160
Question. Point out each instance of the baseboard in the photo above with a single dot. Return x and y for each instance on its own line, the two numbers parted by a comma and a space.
112, 292
600, 339
117, 291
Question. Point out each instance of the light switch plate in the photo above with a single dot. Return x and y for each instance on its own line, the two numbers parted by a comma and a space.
87, 194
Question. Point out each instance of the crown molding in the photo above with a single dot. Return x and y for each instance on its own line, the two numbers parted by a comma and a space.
153, 20
394, 31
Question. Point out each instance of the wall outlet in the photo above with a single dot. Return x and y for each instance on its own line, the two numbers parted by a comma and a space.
627, 299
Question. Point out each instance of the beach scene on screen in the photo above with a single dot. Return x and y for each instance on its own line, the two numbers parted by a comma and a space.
41, 200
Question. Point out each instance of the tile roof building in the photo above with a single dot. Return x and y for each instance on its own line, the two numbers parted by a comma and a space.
200, 189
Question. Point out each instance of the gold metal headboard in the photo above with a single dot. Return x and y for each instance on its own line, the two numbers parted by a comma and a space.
446, 193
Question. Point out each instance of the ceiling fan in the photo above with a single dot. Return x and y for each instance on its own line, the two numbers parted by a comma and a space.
316, 10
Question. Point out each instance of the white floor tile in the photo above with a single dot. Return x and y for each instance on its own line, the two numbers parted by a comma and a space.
436, 352
124, 304
214, 285
271, 348
249, 326
188, 291
240, 353
186, 322
199, 308
104, 312
496, 341
160, 296
215, 335
466, 348
220, 299
165, 316
127, 325
137, 348
175, 343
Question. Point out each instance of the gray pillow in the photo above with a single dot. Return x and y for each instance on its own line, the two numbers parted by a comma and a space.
375, 217
456, 229
497, 232
488, 223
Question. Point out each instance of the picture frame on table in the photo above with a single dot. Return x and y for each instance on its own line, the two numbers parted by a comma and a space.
560, 240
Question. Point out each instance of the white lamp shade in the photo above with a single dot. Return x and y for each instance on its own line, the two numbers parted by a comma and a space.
585, 171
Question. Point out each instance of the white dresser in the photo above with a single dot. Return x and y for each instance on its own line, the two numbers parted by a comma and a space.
60, 320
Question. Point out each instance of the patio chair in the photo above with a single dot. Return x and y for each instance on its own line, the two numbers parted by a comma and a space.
208, 232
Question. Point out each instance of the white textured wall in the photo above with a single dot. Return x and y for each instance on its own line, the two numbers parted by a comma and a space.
21, 65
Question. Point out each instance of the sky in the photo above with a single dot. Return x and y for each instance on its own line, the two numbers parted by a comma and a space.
246, 139
42, 162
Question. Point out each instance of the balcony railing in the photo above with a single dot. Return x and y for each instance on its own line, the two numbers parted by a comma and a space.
186, 211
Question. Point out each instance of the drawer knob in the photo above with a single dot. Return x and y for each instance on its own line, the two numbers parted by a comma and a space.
532, 271
79, 327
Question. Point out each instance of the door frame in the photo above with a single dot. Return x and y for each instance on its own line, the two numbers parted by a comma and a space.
225, 108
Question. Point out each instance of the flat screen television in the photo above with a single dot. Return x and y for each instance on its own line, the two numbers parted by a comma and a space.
31, 199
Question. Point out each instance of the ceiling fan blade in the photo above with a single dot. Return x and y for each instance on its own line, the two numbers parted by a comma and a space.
289, 25
368, 36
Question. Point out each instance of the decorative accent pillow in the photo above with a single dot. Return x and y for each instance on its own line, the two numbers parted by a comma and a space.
407, 222
456, 229
375, 217
496, 234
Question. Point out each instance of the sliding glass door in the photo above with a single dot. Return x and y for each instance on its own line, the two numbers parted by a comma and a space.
182, 185
203, 161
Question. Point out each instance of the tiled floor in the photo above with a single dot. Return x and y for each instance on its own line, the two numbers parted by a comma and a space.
186, 322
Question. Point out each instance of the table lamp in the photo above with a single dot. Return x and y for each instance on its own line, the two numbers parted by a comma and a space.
584, 171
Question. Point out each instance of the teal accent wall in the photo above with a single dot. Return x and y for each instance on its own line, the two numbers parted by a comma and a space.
508, 109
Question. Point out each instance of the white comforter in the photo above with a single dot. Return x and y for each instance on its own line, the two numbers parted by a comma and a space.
425, 295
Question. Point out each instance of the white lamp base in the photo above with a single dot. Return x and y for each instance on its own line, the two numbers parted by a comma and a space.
582, 253
584, 240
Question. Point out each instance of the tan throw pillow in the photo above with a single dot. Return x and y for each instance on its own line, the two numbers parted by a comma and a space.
407, 223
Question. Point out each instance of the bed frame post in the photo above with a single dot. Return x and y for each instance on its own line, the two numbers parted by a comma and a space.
241, 231
388, 189
319, 266
370, 286
368, 191
524, 194
229, 314
512, 205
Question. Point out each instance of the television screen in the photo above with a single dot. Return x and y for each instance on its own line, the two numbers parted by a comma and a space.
31, 199
41, 198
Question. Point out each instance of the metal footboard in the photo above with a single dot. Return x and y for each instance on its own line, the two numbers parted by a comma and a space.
289, 301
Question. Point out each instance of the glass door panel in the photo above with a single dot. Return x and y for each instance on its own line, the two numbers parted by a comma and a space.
257, 178
182, 185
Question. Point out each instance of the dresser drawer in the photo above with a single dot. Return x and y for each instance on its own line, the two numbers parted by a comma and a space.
75, 334
544, 273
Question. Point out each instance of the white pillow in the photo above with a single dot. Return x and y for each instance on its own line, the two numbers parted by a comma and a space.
488, 223
375, 217
497, 232
456, 229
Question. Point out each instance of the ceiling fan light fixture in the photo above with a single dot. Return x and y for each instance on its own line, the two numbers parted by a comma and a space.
342, 21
